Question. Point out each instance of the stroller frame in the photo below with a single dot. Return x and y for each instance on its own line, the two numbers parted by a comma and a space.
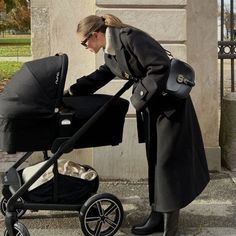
59, 147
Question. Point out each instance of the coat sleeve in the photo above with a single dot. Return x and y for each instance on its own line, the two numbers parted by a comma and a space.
91, 83
151, 56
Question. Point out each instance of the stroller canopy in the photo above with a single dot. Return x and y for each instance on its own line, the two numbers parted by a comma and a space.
36, 88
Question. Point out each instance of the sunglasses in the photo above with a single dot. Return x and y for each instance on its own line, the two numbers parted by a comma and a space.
84, 42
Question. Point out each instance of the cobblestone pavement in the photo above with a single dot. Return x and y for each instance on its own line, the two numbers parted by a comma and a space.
212, 213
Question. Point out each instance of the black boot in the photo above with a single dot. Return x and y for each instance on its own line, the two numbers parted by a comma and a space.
171, 220
154, 223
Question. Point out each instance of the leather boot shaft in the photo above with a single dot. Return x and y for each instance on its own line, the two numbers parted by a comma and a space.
171, 221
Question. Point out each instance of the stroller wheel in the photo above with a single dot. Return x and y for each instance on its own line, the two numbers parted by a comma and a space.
19, 230
102, 214
20, 212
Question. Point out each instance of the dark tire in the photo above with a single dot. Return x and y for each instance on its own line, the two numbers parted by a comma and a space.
3, 205
102, 215
19, 230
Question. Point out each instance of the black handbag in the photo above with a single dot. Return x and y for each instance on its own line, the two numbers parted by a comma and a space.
181, 79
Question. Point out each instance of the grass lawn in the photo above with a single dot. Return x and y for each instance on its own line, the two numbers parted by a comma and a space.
7, 70
12, 46
15, 46
15, 51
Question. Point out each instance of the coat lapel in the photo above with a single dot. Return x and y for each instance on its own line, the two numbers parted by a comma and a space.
120, 53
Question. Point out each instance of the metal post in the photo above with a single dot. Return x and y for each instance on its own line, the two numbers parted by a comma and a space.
222, 60
231, 39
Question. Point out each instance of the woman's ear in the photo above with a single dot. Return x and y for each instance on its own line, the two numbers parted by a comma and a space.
95, 34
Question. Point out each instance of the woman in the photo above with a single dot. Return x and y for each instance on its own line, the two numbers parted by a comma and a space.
177, 165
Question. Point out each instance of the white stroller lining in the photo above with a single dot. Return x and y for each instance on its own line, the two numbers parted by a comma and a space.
65, 167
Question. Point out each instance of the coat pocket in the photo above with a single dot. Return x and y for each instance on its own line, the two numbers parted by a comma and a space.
142, 93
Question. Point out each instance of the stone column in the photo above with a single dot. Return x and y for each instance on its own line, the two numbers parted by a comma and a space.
53, 29
40, 35
202, 55
228, 131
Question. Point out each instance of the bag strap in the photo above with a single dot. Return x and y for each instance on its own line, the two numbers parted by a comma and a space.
169, 54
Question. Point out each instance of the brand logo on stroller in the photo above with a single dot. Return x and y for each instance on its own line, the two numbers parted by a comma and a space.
57, 77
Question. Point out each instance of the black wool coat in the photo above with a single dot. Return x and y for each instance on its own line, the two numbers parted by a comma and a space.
177, 164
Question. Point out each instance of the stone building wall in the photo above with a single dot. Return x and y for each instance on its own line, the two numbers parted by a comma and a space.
179, 25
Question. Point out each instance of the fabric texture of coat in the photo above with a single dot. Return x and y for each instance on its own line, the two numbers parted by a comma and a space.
178, 169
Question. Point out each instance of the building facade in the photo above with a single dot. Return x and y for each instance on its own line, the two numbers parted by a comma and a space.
187, 28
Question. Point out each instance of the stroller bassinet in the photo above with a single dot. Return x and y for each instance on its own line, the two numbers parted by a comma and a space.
34, 116
30, 117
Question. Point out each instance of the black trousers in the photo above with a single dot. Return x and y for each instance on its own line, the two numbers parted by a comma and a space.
151, 151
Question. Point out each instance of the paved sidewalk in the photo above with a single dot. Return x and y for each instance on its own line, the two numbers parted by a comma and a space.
212, 213
20, 59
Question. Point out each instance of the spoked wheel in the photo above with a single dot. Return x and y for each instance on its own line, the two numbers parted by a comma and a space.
101, 215
20, 212
19, 230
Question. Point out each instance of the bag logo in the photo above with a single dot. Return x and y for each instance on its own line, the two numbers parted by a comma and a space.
180, 79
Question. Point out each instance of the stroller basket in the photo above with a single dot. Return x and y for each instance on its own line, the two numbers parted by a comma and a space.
62, 189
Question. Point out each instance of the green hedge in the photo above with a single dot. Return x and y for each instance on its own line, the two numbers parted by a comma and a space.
15, 41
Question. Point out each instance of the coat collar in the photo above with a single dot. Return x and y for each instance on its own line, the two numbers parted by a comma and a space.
109, 49
115, 38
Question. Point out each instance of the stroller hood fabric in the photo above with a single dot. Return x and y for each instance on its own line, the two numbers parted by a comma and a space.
35, 89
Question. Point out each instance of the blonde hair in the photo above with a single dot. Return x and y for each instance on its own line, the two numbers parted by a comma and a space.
95, 23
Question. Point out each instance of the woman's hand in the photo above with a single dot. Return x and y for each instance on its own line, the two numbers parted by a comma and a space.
66, 93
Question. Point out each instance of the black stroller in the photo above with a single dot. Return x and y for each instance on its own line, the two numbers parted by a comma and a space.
34, 116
